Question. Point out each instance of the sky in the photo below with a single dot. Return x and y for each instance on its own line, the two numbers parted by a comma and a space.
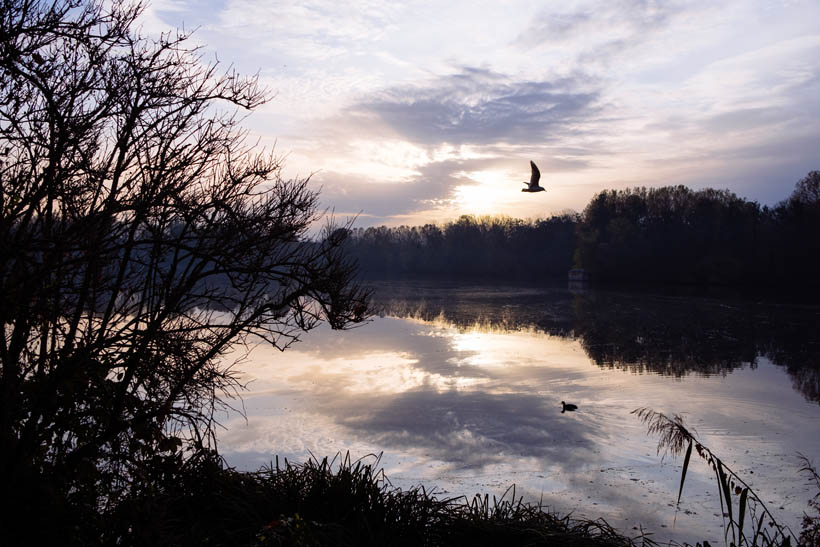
420, 111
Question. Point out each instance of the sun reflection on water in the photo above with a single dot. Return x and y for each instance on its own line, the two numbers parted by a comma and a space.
475, 406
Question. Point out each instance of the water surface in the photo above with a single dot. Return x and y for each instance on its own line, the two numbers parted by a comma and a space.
460, 388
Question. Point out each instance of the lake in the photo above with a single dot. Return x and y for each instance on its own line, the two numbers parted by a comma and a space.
460, 389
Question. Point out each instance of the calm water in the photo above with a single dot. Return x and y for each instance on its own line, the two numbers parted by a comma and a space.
461, 389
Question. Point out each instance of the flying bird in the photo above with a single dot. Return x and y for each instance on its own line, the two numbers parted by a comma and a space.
565, 407
532, 185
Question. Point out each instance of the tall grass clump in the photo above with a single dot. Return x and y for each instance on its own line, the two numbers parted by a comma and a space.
746, 519
338, 502
810, 533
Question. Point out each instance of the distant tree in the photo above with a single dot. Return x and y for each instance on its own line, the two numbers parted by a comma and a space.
796, 249
671, 234
141, 240
807, 190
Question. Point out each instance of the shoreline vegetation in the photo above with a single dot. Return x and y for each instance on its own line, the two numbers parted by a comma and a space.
347, 502
342, 502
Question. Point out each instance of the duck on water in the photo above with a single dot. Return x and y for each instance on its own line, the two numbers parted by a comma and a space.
567, 407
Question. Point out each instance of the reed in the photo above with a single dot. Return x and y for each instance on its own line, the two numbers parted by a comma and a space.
810, 533
747, 521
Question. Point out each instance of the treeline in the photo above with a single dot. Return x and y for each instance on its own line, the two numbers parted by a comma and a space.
675, 234
498, 247
668, 234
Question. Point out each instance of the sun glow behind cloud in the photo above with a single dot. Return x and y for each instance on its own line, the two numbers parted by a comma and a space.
380, 161
491, 193
417, 111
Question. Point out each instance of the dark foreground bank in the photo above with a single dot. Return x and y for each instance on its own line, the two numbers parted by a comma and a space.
328, 502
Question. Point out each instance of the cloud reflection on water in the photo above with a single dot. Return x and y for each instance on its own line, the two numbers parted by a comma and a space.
472, 429
462, 389
466, 397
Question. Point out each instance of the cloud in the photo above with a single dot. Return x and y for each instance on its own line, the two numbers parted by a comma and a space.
747, 122
479, 106
609, 26
316, 29
378, 201
409, 148
554, 27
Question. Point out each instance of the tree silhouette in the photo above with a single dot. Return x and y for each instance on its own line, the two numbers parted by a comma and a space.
672, 234
795, 251
141, 240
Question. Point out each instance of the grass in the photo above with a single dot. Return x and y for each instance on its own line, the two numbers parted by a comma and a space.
810, 534
339, 502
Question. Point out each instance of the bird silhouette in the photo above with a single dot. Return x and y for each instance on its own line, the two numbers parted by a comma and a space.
565, 407
532, 185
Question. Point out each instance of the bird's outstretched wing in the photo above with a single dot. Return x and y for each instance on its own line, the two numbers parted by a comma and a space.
536, 175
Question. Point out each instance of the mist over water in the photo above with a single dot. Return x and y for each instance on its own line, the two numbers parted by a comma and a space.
460, 388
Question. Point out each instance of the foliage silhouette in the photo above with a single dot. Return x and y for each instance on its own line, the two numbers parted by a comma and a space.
141, 240
470, 247
339, 501
674, 234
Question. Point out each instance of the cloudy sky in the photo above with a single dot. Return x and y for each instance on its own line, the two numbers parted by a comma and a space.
416, 111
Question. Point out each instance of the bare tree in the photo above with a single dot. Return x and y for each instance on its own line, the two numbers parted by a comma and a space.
141, 240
